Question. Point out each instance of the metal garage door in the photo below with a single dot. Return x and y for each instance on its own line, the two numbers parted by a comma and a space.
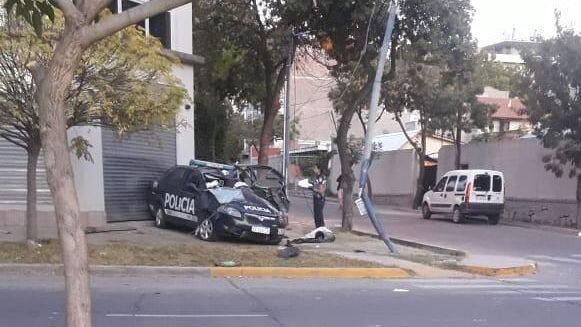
129, 166
13, 176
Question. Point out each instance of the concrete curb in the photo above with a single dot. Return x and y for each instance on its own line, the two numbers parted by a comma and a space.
417, 245
499, 272
206, 272
288, 272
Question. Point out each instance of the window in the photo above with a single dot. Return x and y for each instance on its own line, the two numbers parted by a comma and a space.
451, 183
176, 178
160, 27
481, 183
496, 183
504, 126
441, 184
113, 7
461, 186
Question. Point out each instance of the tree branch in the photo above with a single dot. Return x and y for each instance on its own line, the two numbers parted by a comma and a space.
68, 8
115, 23
413, 143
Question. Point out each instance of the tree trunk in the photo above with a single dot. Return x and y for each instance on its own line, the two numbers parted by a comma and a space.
33, 152
458, 142
578, 218
348, 178
53, 85
422, 173
270, 112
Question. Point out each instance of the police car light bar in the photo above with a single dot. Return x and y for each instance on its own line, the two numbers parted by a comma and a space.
202, 164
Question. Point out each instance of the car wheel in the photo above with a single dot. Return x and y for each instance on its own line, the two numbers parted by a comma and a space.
207, 231
160, 218
426, 213
493, 220
457, 216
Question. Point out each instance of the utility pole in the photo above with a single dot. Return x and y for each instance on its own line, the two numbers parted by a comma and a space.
286, 131
364, 202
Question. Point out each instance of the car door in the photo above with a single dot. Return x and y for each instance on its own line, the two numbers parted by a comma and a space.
437, 199
174, 204
191, 197
449, 193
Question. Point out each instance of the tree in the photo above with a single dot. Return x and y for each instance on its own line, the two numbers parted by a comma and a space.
54, 79
117, 84
253, 45
551, 91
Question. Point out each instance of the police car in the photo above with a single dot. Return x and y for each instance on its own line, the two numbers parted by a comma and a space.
183, 196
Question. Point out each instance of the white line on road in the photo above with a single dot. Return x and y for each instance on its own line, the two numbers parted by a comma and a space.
558, 299
137, 315
532, 292
557, 259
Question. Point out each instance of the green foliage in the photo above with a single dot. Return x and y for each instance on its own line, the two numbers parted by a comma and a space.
551, 91
32, 11
123, 82
500, 76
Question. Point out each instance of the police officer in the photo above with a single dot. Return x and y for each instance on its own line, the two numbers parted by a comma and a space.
319, 187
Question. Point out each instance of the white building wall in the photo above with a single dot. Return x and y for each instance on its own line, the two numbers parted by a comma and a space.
181, 29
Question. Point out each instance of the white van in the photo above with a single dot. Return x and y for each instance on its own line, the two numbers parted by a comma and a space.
464, 193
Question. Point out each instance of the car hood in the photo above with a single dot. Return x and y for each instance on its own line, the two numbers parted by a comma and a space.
245, 200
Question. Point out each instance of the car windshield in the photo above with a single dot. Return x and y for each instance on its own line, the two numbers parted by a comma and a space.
226, 195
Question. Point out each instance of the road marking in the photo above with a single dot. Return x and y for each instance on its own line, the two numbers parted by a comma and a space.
491, 286
451, 281
576, 255
137, 315
557, 259
532, 292
558, 299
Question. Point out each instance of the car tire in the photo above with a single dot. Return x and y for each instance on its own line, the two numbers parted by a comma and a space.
457, 216
160, 218
493, 220
206, 231
426, 212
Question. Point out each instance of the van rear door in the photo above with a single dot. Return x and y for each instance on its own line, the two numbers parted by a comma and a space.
481, 188
497, 195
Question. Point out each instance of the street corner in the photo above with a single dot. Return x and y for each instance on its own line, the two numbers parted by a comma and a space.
306, 272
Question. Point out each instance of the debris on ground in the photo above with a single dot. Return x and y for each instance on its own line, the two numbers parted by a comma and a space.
4, 232
287, 251
227, 263
319, 235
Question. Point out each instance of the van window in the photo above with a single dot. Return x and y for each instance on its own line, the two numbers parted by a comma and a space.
496, 183
481, 183
451, 183
441, 185
461, 186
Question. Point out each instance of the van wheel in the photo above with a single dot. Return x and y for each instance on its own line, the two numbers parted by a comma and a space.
493, 220
160, 218
207, 231
457, 216
426, 213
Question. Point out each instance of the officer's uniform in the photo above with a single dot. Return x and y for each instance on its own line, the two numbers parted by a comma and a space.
319, 200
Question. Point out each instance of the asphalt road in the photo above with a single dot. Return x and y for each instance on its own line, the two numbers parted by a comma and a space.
125, 302
558, 255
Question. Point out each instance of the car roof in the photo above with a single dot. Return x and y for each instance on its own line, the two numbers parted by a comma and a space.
474, 171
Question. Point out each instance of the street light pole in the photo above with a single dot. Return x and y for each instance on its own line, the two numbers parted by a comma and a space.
286, 130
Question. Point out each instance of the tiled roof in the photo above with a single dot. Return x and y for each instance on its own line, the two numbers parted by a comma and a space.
506, 108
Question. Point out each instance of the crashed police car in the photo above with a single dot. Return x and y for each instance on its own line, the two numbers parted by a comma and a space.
183, 196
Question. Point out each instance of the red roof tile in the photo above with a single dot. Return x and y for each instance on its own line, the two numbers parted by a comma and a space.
506, 108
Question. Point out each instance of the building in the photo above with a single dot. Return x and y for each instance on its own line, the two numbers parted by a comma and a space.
113, 187
509, 52
510, 114
399, 141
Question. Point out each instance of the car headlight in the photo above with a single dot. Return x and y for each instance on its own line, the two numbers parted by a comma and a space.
230, 211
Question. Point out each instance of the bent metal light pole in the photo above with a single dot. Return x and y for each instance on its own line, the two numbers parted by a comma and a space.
364, 203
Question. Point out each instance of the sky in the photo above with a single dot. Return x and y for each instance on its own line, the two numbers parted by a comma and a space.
495, 20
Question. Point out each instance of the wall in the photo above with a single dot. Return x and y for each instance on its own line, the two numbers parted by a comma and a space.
393, 177
185, 144
533, 194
